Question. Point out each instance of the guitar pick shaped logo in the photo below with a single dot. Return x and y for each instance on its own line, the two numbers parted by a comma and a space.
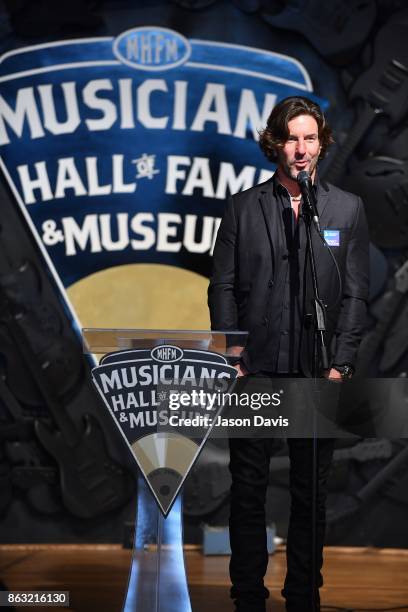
164, 402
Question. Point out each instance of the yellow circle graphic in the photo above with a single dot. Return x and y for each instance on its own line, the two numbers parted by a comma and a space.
142, 296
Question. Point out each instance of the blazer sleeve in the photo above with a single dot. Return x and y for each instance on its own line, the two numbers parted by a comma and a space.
221, 291
353, 310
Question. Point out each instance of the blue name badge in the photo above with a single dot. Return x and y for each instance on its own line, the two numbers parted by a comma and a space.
332, 237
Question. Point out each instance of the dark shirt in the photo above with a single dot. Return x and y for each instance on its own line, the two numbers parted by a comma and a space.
286, 308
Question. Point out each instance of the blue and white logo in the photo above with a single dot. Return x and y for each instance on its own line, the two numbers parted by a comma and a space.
152, 49
123, 150
332, 237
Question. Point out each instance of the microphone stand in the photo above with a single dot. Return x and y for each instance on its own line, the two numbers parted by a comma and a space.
309, 212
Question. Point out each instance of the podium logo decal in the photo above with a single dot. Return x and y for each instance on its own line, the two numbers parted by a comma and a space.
167, 353
142, 389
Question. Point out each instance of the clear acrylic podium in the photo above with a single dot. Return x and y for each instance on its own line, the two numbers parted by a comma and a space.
315, 408
157, 579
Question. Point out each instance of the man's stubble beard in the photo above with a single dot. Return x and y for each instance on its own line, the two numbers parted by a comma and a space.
287, 170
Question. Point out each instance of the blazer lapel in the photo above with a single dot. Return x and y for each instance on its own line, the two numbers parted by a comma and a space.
269, 211
322, 193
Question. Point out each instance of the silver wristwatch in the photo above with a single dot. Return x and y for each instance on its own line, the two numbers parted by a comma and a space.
346, 370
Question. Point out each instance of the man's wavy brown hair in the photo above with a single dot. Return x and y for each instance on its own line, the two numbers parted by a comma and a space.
276, 132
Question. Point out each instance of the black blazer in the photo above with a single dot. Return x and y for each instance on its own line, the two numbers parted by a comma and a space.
247, 246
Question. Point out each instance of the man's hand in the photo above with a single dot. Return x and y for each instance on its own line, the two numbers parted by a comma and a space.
333, 374
236, 351
240, 368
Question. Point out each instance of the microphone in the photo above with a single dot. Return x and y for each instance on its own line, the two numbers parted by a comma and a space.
309, 198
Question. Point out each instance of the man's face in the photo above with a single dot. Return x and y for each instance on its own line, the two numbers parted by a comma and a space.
302, 149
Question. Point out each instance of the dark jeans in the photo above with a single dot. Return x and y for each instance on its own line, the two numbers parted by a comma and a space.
249, 466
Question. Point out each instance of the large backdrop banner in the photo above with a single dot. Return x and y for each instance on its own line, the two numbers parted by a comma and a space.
124, 149
123, 129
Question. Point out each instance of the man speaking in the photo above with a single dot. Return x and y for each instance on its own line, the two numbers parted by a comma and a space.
261, 283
